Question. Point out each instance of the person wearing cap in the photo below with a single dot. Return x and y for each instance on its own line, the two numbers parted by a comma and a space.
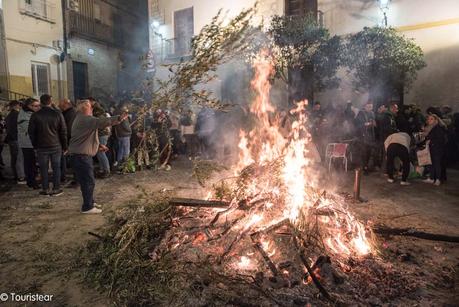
11, 123
84, 145
123, 134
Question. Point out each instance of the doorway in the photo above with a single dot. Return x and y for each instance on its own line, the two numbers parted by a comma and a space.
80, 80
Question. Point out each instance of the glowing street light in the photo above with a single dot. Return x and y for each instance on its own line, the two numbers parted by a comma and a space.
384, 6
155, 24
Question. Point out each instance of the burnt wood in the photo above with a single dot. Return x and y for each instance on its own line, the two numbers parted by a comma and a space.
190, 202
411, 232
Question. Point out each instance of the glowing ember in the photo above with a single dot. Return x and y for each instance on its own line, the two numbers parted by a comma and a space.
244, 263
208, 196
290, 190
253, 220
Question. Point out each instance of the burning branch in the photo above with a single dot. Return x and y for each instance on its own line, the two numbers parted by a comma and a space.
259, 248
189, 202
311, 273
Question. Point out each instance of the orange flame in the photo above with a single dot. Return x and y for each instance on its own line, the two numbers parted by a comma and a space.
267, 144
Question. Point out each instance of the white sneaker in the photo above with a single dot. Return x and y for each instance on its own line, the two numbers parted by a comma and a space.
92, 211
390, 180
404, 183
428, 180
437, 182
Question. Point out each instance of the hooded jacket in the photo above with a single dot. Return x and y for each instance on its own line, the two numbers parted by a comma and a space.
23, 127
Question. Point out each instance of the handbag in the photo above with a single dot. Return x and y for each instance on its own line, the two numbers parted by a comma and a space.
424, 157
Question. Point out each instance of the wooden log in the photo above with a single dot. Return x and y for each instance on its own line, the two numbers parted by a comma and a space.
270, 228
259, 248
189, 202
217, 216
411, 232
224, 232
310, 271
233, 243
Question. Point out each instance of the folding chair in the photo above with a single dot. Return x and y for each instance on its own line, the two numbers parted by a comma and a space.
336, 151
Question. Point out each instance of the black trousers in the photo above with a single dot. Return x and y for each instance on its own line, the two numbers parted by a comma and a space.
84, 171
438, 170
30, 166
14, 151
365, 155
397, 150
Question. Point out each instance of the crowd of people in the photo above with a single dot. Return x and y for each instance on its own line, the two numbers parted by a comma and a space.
42, 134
67, 137
390, 137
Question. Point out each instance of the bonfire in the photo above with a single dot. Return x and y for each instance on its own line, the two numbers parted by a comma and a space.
272, 222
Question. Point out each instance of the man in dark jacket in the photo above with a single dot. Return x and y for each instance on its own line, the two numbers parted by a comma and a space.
48, 133
69, 113
11, 123
365, 122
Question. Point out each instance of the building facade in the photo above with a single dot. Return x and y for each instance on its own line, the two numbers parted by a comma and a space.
32, 40
433, 26
71, 48
106, 40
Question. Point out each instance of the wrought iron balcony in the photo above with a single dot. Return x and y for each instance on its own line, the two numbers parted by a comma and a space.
90, 28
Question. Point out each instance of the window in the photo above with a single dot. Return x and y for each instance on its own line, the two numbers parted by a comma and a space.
184, 31
40, 79
300, 7
40, 9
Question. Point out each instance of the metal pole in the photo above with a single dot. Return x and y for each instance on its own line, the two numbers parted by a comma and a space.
357, 180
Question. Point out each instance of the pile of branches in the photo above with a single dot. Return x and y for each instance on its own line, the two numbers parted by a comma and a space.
167, 252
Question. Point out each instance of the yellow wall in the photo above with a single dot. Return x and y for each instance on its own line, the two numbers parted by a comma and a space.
23, 85
31, 40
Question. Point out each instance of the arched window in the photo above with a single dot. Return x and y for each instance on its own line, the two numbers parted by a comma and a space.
300, 7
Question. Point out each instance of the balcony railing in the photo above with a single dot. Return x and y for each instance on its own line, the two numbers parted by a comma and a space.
90, 28
170, 51
39, 9
10, 95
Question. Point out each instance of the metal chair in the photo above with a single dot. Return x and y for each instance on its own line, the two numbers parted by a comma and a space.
336, 151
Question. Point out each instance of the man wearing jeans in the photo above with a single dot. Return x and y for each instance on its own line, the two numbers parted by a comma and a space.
398, 145
48, 133
123, 134
84, 145
104, 164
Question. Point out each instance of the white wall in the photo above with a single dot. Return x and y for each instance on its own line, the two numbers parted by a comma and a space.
204, 10
29, 31
440, 43
437, 83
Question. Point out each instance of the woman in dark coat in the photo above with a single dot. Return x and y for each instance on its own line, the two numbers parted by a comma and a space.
436, 138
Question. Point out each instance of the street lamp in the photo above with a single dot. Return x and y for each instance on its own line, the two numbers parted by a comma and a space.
155, 24
384, 4
384, 7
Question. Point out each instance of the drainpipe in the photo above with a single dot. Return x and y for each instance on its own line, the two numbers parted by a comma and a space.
65, 39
